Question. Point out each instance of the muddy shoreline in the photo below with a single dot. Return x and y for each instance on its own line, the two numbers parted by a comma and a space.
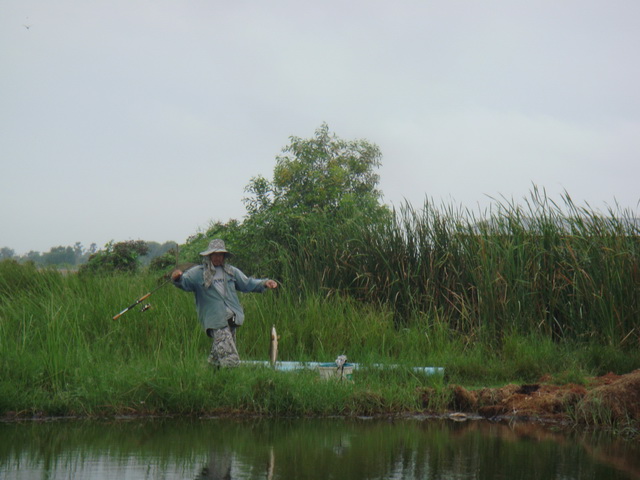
610, 401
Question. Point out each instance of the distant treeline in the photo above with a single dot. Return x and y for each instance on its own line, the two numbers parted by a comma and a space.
77, 255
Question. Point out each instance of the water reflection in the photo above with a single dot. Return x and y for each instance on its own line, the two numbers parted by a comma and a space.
217, 449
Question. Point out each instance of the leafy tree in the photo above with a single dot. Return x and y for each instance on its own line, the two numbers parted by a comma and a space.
82, 254
323, 173
319, 186
78, 249
121, 257
6, 253
34, 257
59, 256
157, 250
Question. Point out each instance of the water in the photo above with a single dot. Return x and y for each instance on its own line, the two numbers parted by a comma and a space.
346, 449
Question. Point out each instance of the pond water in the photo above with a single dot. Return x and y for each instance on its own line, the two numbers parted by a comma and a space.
348, 449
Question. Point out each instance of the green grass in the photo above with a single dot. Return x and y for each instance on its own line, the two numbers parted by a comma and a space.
62, 354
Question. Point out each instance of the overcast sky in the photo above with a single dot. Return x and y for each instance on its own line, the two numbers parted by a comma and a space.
125, 119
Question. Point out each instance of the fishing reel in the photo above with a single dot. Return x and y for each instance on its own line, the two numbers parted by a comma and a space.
145, 308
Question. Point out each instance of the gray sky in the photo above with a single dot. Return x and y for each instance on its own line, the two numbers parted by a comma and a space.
128, 119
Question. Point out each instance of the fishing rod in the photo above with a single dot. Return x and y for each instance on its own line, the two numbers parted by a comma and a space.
140, 300
147, 295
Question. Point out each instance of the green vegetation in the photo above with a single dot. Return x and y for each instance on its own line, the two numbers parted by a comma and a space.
121, 257
115, 256
507, 295
63, 354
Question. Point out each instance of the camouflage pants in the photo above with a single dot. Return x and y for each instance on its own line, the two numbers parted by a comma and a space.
223, 349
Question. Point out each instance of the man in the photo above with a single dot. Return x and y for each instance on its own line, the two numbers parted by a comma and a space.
214, 285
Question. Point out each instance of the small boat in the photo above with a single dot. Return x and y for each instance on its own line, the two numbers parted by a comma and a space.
290, 366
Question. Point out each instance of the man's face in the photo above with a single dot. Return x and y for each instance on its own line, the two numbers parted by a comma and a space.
217, 259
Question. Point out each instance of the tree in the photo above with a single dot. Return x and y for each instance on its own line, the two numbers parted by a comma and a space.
323, 173
116, 257
320, 186
160, 257
59, 256
6, 253
33, 256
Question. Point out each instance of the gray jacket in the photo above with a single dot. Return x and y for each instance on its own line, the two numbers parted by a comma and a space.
212, 307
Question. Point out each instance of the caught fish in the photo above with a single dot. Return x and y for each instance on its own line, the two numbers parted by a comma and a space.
273, 347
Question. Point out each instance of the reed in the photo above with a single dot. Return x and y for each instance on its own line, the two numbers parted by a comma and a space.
554, 269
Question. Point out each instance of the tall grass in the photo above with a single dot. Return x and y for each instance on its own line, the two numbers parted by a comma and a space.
61, 352
545, 268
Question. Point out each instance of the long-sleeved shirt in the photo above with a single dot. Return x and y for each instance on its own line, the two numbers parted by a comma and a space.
212, 306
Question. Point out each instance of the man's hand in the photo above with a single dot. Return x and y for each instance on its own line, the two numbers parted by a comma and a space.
175, 275
271, 284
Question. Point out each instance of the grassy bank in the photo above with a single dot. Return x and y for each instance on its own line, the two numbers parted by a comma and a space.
61, 353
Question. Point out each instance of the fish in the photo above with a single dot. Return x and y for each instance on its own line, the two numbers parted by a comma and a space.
273, 347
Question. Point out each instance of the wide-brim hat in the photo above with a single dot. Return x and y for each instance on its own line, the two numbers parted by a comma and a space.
216, 246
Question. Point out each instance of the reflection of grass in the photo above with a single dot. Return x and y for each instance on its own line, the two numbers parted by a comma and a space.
61, 353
